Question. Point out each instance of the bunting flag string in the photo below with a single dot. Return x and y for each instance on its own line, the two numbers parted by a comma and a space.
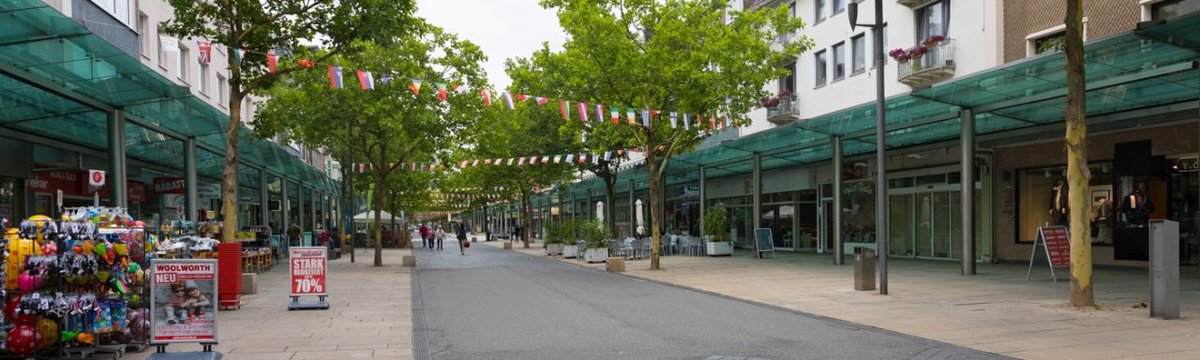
570, 159
366, 81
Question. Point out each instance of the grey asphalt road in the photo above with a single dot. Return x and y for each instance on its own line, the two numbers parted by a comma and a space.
497, 304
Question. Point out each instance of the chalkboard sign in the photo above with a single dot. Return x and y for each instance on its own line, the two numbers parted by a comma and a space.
1056, 243
763, 242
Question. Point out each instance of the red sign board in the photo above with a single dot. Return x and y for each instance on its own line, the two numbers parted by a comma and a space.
308, 270
1058, 245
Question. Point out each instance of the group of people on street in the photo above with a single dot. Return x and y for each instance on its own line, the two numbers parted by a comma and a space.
432, 237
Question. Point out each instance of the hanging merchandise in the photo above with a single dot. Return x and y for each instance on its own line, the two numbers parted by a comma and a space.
73, 285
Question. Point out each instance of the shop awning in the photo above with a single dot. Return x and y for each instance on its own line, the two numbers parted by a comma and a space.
58, 80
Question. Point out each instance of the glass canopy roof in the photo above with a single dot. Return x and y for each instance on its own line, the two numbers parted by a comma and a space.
1154, 66
58, 80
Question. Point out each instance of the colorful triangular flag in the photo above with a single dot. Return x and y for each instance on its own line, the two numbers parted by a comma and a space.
441, 88
365, 79
272, 61
563, 108
508, 100
335, 77
415, 86
582, 111
487, 97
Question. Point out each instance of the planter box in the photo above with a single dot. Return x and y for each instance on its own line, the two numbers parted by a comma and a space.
570, 251
615, 265
595, 255
553, 249
719, 248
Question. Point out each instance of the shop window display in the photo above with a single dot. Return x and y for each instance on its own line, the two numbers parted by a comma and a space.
1042, 195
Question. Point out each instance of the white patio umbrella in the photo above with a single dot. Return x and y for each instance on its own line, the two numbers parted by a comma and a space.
641, 222
600, 211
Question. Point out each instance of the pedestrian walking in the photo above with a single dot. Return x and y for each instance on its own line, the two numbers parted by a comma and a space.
462, 239
425, 238
441, 236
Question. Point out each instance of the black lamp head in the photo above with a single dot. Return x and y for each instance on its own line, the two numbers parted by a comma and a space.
853, 12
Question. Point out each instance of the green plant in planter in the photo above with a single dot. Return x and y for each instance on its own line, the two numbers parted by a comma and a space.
595, 234
715, 224
553, 234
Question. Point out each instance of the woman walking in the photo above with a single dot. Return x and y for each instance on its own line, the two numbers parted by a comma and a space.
462, 239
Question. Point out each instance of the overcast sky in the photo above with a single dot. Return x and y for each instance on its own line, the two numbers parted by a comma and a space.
502, 28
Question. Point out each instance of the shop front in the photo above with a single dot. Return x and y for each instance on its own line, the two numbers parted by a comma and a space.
1137, 175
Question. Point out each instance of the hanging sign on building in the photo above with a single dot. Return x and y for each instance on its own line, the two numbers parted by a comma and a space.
96, 178
182, 301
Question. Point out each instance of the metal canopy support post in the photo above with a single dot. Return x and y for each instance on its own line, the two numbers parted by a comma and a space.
264, 198
968, 192
836, 231
285, 208
632, 209
703, 199
300, 203
116, 157
190, 180
756, 192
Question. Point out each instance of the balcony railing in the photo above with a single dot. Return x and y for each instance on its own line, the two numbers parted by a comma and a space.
788, 110
936, 65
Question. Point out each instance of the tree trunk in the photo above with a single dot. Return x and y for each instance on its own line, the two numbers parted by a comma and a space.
345, 205
377, 203
229, 185
655, 198
1078, 174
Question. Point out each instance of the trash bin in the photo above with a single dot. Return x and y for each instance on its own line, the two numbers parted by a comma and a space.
864, 270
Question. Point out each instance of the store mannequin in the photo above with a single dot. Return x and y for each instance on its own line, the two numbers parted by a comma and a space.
1059, 204
1101, 210
1137, 206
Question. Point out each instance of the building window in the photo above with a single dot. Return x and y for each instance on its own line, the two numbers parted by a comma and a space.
858, 58
144, 32
181, 63
1164, 10
1049, 43
820, 4
222, 91
839, 61
203, 78
162, 53
788, 82
822, 72
933, 19
838, 6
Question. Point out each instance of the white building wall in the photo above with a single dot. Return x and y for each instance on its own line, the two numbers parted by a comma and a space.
974, 27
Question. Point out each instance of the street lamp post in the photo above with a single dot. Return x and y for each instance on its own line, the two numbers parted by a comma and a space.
881, 200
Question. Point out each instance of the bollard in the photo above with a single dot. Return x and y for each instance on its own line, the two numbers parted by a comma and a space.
864, 270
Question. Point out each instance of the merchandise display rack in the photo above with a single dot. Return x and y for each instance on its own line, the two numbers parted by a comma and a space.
76, 286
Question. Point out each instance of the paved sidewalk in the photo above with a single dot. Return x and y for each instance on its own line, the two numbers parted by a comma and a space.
370, 316
996, 311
